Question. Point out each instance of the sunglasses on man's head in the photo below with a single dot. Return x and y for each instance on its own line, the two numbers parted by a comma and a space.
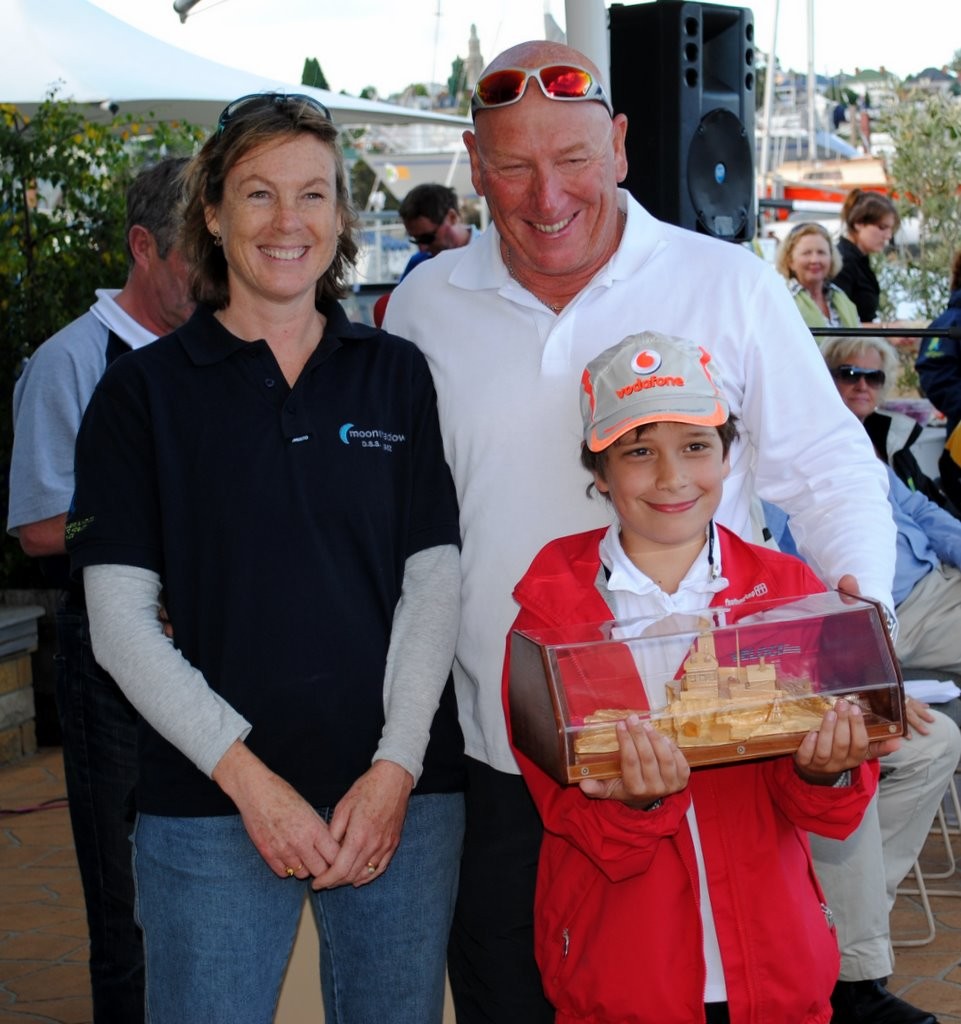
848, 374
565, 82
255, 100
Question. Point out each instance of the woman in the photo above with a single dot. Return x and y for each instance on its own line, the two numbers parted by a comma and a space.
927, 575
808, 260
279, 473
870, 221
863, 370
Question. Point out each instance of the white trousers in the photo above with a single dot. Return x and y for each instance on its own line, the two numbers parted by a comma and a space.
860, 874
928, 618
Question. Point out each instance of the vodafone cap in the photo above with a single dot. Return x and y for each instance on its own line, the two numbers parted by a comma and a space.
647, 378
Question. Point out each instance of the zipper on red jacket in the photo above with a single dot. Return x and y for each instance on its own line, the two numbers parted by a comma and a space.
828, 915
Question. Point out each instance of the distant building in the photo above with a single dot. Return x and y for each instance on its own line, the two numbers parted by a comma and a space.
934, 80
474, 64
877, 88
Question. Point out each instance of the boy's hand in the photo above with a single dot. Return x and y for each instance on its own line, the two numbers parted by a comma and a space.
840, 744
651, 767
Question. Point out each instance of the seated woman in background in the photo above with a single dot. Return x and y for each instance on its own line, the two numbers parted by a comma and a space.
808, 260
870, 221
864, 370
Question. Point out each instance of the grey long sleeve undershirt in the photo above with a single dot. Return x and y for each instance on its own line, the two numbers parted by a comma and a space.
128, 642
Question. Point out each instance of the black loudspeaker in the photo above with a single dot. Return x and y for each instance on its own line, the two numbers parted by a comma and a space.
684, 75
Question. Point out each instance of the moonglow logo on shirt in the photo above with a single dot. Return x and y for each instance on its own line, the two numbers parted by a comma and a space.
370, 437
645, 364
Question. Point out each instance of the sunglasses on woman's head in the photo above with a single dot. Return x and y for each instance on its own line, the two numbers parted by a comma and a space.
255, 100
564, 82
848, 374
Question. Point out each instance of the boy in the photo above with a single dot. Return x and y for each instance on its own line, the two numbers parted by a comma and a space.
647, 911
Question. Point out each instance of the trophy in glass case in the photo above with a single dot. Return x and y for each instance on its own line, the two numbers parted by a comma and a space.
725, 684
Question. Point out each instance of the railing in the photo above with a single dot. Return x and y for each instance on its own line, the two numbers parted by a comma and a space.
384, 250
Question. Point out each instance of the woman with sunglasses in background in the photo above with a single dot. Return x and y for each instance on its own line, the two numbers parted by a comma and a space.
927, 575
278, 473
808, 260
864, 369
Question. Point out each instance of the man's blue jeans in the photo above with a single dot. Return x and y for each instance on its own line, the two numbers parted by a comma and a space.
100, 763
219, 925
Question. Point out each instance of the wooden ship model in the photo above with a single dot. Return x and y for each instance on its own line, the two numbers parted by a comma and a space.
711, 704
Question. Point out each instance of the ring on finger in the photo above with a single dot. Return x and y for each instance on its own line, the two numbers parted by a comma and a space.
371, 868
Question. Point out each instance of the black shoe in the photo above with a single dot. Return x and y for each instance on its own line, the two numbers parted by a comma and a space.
869, 1002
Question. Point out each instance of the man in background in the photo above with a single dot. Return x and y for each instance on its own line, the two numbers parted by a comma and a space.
97, 722
431, 218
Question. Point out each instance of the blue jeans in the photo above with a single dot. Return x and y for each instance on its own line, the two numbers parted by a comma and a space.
219, 925
100, 764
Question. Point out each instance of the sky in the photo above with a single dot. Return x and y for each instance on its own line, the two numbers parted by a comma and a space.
390, 44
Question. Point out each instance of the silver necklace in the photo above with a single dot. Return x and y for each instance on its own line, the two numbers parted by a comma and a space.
556, 310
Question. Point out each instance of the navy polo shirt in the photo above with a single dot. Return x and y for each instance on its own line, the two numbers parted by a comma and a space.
279, 520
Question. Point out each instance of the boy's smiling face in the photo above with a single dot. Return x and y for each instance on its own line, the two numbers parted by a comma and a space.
665, 482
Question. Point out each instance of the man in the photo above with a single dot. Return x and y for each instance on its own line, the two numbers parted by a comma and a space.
98, 725
570, 265
939, 367
432, 219
860, 875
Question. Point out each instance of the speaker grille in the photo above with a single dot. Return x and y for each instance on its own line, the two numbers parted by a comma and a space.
673, 64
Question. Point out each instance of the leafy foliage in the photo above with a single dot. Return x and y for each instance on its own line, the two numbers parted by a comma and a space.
926, 176
63, 180
457, 79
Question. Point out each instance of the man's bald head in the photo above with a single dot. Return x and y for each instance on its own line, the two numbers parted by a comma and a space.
538, 53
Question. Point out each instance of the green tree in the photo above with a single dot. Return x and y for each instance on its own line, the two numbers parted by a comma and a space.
456, 81
62, 208
925, 173
313, 74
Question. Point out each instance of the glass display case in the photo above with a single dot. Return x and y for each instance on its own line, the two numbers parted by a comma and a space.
726, 683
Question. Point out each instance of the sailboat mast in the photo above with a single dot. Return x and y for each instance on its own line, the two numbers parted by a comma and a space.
812, 134
433, 65
768, 105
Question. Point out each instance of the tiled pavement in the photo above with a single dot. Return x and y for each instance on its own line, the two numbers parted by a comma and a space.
43, 930
43, 971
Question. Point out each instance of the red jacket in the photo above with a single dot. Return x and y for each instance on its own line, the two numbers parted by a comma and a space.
618, 934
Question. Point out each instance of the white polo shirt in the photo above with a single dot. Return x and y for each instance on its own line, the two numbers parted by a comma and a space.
507, 373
